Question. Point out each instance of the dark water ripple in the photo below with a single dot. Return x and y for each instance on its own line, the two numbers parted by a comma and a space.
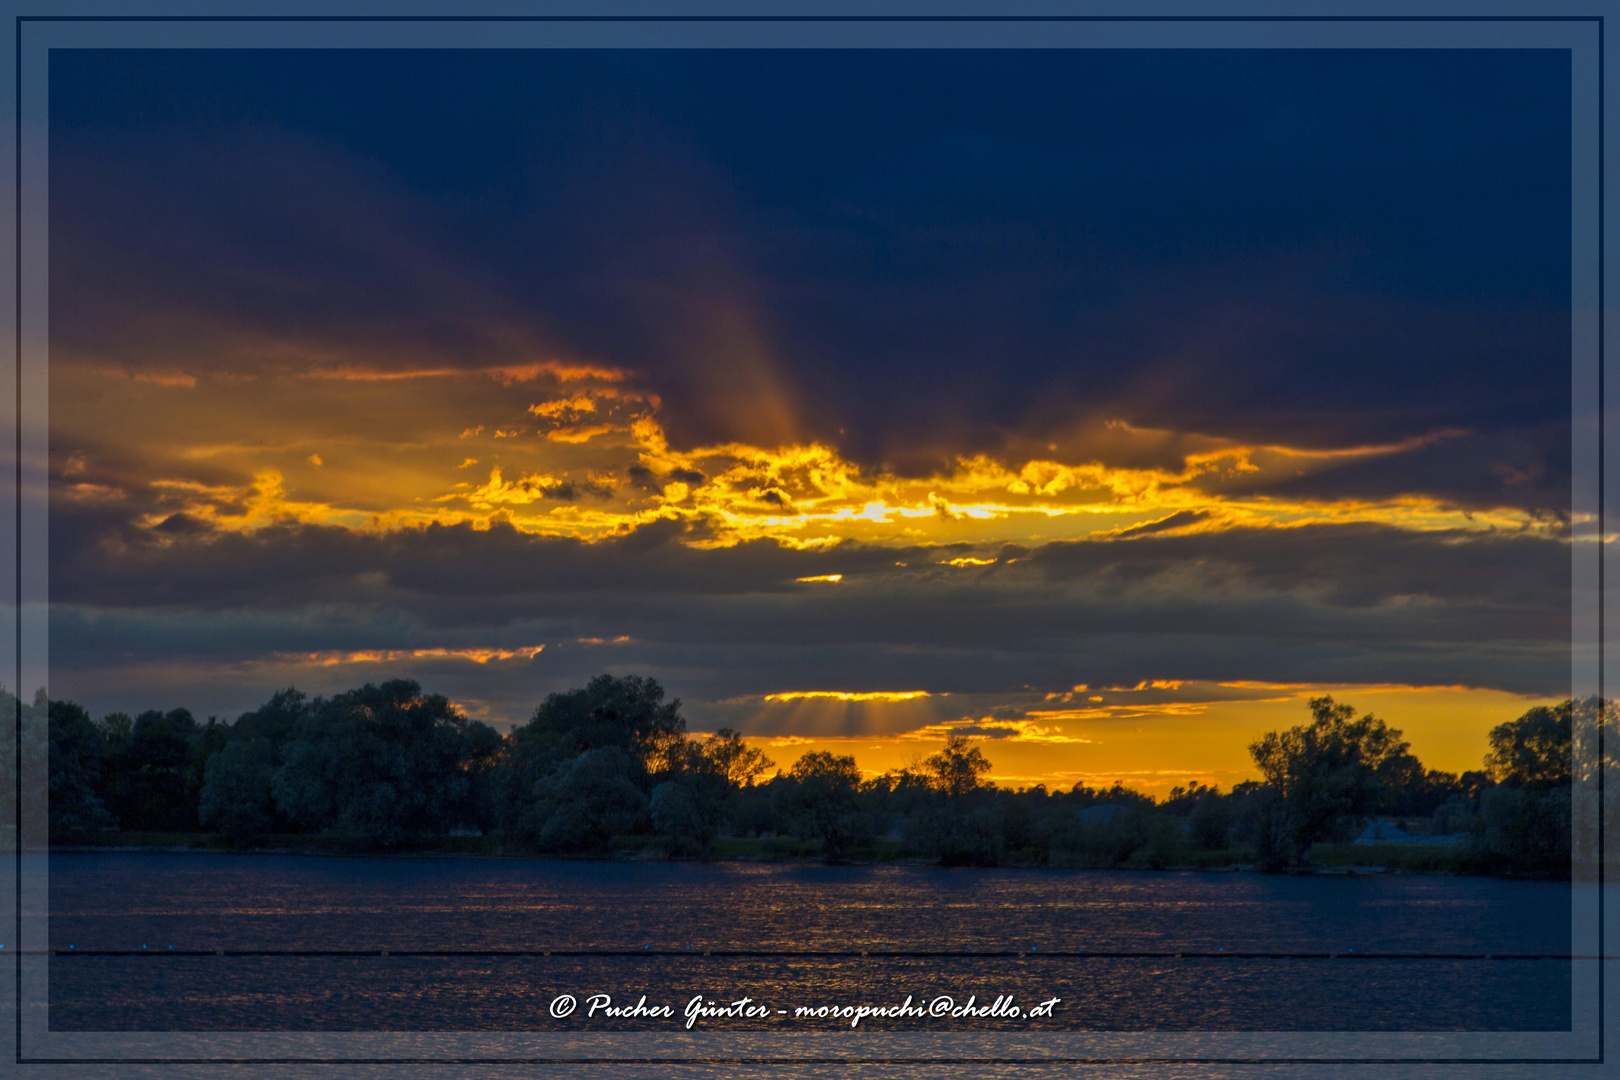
125, 901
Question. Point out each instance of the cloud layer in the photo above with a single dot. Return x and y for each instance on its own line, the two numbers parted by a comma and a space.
954, 374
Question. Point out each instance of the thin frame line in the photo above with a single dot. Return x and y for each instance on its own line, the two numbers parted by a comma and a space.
744, 18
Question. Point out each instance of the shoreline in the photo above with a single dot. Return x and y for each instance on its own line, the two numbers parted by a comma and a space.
340, 850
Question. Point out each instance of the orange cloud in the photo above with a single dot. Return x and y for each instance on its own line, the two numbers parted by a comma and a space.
581, 434
848, 695
154, 376
567, 408
337, 657
506, 375
590, 421
236, 508
166, 378
520, 492
1025, 730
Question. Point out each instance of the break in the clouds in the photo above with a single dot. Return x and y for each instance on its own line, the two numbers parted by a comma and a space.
974, 376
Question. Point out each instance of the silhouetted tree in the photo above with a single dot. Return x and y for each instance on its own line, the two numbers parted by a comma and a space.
238, 796
627, 716
151, 783
959, 823
627, 713
1533, 750
820, 802
384, 763
581, 804
956, 769
703, 779
1327, 775
1523, 830
1524, 821
392, 765
75, 772
741, 765
1210, 824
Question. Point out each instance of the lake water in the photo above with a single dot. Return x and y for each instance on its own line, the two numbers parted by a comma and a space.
644, 928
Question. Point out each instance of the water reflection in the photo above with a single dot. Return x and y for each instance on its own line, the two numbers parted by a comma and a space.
195, 902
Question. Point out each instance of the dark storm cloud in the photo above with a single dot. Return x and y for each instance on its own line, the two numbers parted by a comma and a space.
1344, 566
1180, 519
1321, 603
1514, 465
910, 254
103, 560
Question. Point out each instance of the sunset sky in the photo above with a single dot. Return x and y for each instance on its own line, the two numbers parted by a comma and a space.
1106, 405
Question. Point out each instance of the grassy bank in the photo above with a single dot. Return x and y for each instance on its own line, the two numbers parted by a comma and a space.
1411, 858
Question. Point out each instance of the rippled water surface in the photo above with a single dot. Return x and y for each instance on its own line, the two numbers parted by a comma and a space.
306, 903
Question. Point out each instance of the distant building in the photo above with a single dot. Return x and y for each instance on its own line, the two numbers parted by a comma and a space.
1101, 814
1384, 832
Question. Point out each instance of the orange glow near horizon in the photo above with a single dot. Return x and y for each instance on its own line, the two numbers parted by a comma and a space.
574, 449
580, 449
1154, 747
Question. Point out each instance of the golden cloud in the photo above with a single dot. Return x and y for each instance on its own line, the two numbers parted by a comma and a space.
596, 434
506, 375
337, 657
847, 695
1025, 730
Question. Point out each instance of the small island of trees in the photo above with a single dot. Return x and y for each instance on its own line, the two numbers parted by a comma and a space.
610, 768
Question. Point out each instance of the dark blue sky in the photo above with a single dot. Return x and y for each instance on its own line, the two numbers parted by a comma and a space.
939, 249
907, 257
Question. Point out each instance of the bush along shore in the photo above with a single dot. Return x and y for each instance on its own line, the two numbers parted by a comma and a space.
610, 770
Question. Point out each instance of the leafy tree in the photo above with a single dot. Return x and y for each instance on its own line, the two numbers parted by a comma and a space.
208, 740
25, 739
75, 772
965, 832
116, 729
626, 715
582, 804
956, 769
958, 823
683, 816
1210, 824
820, 802
1327, 774
1401, 782
385, 763
741, 765
1260, 820
152, 776
1533, 750
237, 796
1523, 830
690, 807
1183, 800
1208, 814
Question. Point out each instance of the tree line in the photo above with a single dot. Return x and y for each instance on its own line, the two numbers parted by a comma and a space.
610, 766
